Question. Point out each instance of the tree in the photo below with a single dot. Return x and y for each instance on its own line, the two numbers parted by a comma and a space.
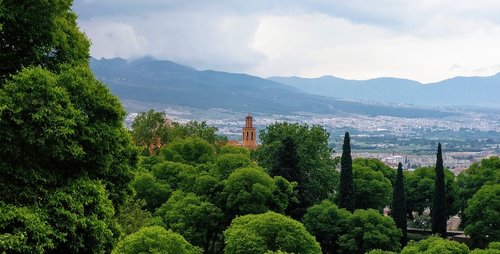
150, 130
148, 188
287, 161
369, 230
39, 33
419, 188
439, 217
315, 164
398, 207
133, 217
346, 187
258, 233
483, 213
60, 127
377, 165
24, 230
155, 239
327, 223
191, 151
195, 219
371, 189
226, 164
493, 248
252, 190
83, 218
198, 130
487, 171
435, 245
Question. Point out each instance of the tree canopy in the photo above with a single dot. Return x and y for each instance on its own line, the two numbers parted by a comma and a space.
259, 233
316, 168
483, 213
155, 239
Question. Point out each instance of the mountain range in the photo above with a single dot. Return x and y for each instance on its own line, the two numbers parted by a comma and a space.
458, 91
164, 82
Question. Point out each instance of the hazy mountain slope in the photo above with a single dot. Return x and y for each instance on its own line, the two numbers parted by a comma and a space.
166, 82
462, 91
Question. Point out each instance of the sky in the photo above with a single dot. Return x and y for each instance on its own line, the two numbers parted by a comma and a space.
423, 40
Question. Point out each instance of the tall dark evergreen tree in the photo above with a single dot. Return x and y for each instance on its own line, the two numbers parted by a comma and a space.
287, 161
398, 211
346, 188
439, 202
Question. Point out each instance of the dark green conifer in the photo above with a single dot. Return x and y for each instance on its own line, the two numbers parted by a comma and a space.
439, 202
398, 210
287, 161
346, 191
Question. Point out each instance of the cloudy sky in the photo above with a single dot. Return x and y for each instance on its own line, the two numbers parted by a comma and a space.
424, 40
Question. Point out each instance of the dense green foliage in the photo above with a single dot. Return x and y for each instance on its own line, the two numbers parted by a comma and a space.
154, 192
398, 207
368, 230
327, 223
39, 33
377, 165
316, 168
346, 197
24, 230
150, 130
439, 215
487, 171
483, 213
419, 188
370, 188
155, 239
435, 245
189, 215
254, 234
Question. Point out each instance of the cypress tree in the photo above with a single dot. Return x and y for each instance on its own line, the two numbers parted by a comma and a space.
439, 202
346, 188
398, 211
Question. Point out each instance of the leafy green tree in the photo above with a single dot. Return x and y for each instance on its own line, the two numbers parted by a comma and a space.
191, 151
327, 223
232, 149
200, 130
250, 190
195, 219
487, 171
227, 163
493, 248
315, 164
170, 172
435, 245
133, 217
398, 207
150, 130
83, 218
377, 165
24, 230
483, 213
371, 189
39, 33
287, 161
369, 230
419, 188
59, 127
155, 239
346, 197
259, 233
439, 216
378, 251
154, 192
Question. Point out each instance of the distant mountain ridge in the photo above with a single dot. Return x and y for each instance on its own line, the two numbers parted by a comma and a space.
458, 91
169, 83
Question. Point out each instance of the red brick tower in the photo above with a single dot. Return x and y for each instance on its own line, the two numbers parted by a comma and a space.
249, 135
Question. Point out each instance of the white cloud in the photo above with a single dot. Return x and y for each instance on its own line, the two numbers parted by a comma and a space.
425, 40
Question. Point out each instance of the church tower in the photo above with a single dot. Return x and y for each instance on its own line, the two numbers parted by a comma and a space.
249, 136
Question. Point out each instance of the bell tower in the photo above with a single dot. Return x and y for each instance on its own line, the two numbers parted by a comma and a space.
249, 135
